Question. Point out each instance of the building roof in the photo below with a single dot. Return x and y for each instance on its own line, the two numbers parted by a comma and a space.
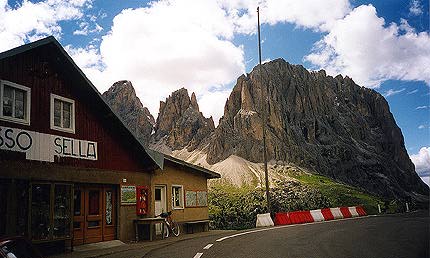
208, 173
152, 159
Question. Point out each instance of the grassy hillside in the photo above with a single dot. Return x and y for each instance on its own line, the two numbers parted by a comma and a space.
340, 194
234, 207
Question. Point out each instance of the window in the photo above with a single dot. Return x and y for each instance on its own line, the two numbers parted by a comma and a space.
177, 197
15, 102
94, 202
157, 194
62, 114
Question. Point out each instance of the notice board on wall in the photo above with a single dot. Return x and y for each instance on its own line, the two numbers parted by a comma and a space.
128, 194
190, 198
196, 198
202, 198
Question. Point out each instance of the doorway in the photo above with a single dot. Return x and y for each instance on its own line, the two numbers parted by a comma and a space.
160, 203
94, 215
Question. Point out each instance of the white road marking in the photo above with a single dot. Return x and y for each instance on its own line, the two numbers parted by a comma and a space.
245, 233
293, 225
208, 246
198, 255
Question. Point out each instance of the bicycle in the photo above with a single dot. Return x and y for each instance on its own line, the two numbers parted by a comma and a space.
172, 226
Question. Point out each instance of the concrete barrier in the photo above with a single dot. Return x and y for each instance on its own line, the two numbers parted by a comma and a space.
317, 215
336, 213
327, 214
353, 211
345, 212
361, 211
282, 218
298, 217
307, 217
264, 220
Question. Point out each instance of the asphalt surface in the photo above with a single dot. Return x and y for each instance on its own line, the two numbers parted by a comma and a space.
389, 236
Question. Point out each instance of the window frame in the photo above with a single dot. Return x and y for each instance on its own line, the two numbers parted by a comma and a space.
72, 112
27, 109
181, 200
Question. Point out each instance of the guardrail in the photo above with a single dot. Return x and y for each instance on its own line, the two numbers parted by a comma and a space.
298, 217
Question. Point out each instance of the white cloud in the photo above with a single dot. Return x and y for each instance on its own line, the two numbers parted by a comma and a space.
30, 21
422, 162
415, 8
412, 92
159, 56
421, 107
392, 92
365, 48
84, 29
318, 15
426, 179
212, 104
85, 57
183, 43
90, 61
421, 126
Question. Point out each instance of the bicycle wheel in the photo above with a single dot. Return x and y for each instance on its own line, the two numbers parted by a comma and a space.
175, 228
166, 230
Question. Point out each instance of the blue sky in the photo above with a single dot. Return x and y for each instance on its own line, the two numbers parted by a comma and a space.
205, 45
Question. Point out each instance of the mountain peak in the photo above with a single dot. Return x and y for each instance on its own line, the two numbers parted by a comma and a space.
121, 96
328, 125
180, 124
194, 102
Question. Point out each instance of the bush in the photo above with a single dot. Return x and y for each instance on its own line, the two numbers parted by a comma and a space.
232, 207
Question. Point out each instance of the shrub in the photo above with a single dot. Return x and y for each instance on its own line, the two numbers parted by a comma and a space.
232, 207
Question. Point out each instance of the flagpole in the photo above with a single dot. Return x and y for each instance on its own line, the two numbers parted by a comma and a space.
263, 107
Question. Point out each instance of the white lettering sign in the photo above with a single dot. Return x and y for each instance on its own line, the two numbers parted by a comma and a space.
43, 147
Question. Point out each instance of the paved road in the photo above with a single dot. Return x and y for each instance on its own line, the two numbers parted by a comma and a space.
394, 236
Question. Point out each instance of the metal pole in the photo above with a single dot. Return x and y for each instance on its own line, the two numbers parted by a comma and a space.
263, 107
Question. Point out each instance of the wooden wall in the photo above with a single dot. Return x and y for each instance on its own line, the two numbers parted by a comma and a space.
192, 181
45, 71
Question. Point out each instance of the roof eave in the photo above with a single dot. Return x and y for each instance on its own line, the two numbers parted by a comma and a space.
157, 161
208, 173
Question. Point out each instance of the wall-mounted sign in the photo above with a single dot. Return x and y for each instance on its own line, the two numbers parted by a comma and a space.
202, 198
196, 198
190, 198
128, 194
43, 147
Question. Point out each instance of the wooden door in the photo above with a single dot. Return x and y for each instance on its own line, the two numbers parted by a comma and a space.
160, 204
78, 215
93, 214
109, 213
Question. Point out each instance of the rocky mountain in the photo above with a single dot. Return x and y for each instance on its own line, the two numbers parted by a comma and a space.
121, 96
328, 125
318, 123
180, 124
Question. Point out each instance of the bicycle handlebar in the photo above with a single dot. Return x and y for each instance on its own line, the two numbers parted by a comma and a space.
165, 214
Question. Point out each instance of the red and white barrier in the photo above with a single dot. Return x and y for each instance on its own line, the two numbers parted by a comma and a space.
317, 215
264, 220
361, 211
282, 218
298, 217
336, 213
345, 212
327, 214
353, 211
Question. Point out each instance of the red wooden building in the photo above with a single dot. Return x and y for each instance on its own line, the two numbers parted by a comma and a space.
64, 154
